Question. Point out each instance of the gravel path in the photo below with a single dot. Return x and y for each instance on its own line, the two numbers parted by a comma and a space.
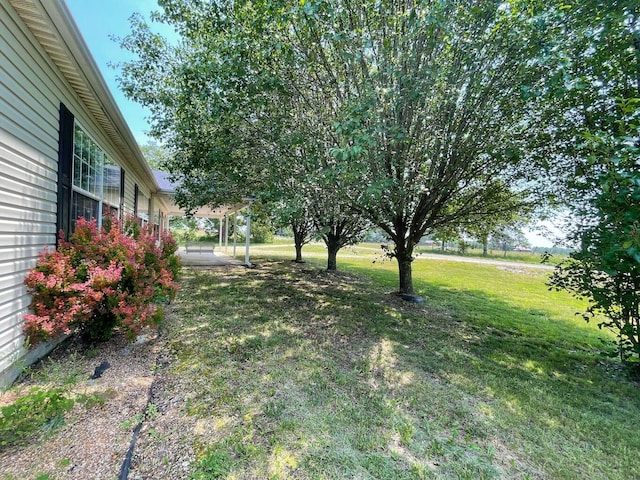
94, 441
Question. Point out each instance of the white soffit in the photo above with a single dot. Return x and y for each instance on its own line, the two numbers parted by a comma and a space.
53, 26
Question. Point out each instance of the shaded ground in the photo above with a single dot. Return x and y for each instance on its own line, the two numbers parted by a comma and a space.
94, 439
287, 371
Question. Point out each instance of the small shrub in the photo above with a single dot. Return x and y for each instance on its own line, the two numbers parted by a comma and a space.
606, 268
101, 279
40, 410
214, 464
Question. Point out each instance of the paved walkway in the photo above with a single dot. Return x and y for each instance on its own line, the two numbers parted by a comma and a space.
206, 259
487, 261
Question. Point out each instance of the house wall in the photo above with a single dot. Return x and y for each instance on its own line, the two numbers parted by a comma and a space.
31, 90
129, 189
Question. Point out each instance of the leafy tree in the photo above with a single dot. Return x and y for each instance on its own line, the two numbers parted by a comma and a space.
218, 155
311, 210
606, 268
337, 224
156, 155
261, 224
507, 238
515, 213
446, 234
428, 113
417, 112
312, 182
599, 61
593, 58
317, 211
295, 215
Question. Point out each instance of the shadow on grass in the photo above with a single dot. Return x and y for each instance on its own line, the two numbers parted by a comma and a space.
325, 375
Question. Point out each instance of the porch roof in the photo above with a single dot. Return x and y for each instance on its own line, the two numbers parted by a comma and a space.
166, 195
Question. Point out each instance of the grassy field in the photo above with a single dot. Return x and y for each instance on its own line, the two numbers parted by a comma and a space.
311, 375
279, 244
510, 256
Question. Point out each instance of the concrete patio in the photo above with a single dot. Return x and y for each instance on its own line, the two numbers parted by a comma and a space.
206, 259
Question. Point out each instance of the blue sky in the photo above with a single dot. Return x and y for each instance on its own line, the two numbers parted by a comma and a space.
97, 20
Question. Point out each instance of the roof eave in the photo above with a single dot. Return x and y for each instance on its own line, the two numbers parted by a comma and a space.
52, 24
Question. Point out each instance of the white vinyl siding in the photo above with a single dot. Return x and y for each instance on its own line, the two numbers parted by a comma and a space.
143, 206
28, 171
129, 193
31, 90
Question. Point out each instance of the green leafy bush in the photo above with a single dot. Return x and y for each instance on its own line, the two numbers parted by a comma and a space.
606, 268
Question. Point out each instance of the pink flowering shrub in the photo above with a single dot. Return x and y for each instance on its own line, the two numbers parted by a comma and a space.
101, 279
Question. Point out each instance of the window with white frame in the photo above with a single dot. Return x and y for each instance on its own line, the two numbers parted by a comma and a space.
111, 187
142, 210
96, 179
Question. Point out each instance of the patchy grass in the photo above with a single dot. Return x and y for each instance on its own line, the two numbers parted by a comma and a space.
38, 411
305, 374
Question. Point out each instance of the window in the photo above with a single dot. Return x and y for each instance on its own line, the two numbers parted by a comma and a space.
88, 163
87, 170
90, 184
96, 179
111, 187
142, 207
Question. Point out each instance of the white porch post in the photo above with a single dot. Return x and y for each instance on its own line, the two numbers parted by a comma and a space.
226, 233
248, 234
220, 233
235, 233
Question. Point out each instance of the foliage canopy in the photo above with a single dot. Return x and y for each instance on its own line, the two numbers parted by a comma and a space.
413, 114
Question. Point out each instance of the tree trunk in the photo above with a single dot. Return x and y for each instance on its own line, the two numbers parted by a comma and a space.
298, 239
485, 246
332, 264
333, 247
406, 280
404, 255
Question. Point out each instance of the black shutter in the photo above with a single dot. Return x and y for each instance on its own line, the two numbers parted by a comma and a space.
135, 200
65, 163
122, 216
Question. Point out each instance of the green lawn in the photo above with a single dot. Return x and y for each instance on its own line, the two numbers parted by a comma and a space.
510, 256
280, 244
312, 375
